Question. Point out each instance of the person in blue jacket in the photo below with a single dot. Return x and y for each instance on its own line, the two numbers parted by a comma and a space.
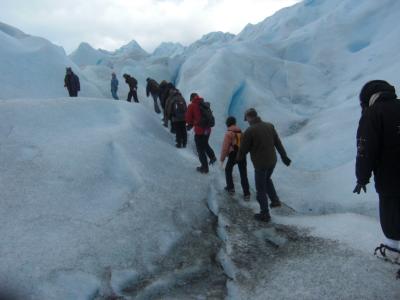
114, 86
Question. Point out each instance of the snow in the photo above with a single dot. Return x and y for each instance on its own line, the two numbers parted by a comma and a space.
87, 182
86, 185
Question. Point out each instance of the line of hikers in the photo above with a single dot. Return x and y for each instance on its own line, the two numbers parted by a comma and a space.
378, 144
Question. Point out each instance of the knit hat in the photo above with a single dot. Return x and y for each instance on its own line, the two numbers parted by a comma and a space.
373, 87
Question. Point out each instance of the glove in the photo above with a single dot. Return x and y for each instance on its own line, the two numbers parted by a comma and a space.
359, 187
286, 160
189, 127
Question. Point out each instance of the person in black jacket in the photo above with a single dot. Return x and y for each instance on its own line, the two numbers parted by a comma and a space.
378, 152
71, 82
153, 88
132, 83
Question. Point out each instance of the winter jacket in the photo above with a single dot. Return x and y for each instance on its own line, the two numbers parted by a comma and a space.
132, 82
229, 141
169, 107
378, 145
114, 83
193, 116
261, 139
71, 82
152, 88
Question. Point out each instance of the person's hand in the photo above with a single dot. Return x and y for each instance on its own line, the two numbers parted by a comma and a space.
286, 160
359, 187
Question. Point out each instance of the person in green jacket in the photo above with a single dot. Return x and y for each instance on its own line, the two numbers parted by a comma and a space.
261, 140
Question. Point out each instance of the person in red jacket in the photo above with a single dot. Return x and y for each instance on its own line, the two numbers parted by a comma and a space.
230, 148
201, 135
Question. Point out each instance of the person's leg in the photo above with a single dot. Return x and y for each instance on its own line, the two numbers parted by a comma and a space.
114, 94
184, 134
209, 150
201, 144
271, 192
130, 95
135, 98
243, 176
70, 93
260, 180
389, 211
156, 107
178, 132
74, 93
228, 172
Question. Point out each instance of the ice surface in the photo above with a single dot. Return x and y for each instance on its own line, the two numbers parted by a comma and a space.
86, 185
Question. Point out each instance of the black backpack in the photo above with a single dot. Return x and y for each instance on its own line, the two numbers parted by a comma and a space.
207, 119
179, 108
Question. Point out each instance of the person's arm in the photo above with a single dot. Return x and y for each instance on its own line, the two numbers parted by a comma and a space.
281, 150
148, 89
78, 83
368, 146
226, 145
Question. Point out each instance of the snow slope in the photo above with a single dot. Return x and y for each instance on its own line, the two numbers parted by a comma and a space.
33, 67
89, 186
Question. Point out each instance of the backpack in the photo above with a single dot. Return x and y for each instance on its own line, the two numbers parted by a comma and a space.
179, 108
207, 119
237, 141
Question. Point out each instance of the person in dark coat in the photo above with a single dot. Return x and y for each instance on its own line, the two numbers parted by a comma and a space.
201, 134
132, 83
164, 92
71, 82
153, 89
114, 86
175, 111
378, 152
261, 140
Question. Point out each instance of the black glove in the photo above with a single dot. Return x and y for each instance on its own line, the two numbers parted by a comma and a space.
189, 127
286, 160
359, 187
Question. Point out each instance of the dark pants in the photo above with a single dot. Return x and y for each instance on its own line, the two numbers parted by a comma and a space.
242, 170
156, 107
114, 94
389, 211
181, 133
132, 93
264, 186
204, 150
73, 93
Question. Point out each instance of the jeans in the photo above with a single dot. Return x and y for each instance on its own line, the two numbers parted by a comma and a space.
156, 107
114, 94
181, 133
242, 170
132, 93
204, 150
264, 187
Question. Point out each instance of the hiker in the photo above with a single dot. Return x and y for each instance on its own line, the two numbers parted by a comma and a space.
132, 83
71, 82
164, 92
202, 129
114, 86
175, 111
230, 148
153, 89
261, 139
378, 152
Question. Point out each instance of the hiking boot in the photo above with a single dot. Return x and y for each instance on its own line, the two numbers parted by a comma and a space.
212, 160
275, 204
230, 191
246, 197
201, 170
263, 217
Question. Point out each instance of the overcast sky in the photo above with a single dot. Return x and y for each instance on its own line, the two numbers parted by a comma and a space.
109, 24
